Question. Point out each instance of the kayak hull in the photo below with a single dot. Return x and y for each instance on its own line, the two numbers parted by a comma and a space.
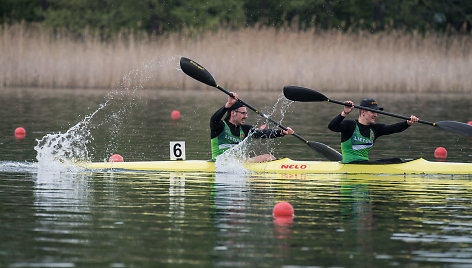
289, 166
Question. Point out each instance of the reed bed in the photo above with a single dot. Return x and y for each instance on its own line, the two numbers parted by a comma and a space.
255, 58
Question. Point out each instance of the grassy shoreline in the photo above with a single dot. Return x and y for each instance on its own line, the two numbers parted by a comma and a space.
245, 59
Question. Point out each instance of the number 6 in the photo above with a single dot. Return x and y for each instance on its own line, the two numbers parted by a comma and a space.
177, 150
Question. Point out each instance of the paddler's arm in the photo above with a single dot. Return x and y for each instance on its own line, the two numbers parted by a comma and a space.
335, 124
216, 123
382, 129
268, 133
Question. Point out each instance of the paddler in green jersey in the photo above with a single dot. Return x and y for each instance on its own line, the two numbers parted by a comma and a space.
232, 130
358, 137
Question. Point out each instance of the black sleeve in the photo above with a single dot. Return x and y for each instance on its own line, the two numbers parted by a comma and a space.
216, 124
346, 127
262, 133
335, 124
382, 129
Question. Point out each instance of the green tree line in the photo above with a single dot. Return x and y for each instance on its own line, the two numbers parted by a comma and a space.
109, 17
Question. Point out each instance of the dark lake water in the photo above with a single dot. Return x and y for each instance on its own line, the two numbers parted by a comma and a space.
56, 216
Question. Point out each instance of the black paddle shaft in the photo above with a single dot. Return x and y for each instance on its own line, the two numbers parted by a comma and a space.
379, 111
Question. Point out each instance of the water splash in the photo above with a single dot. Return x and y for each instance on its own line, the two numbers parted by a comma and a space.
233, 159
64, 150
268, 146
279, 109
67, 148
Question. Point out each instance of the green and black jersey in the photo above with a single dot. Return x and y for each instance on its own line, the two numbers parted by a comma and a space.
224, 135
357, 139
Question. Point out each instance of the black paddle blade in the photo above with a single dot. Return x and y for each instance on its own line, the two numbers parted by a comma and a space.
196, 71
302, 94
456, 127
326, 151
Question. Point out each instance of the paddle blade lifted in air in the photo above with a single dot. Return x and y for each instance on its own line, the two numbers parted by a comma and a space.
196, 71
302, 94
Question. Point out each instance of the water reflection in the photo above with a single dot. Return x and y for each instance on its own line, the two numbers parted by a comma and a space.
51, 221
357, 220
230, 201
243, 220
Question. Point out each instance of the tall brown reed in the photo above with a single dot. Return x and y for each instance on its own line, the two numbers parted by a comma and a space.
251, 58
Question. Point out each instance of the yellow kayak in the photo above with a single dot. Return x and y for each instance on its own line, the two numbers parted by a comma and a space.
289, 166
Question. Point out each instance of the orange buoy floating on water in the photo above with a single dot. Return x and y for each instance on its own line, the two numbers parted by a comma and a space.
20, 133
116, 158
283, 209
440, 152
175, 115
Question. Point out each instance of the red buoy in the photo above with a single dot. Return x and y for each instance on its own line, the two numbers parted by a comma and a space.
283, 209
440, 152
20, 133
469, 123
116, 158
175, 115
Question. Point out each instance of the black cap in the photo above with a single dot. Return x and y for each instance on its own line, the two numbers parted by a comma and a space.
371, 103
236, 106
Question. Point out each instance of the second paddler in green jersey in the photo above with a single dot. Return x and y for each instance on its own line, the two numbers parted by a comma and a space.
358, 136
